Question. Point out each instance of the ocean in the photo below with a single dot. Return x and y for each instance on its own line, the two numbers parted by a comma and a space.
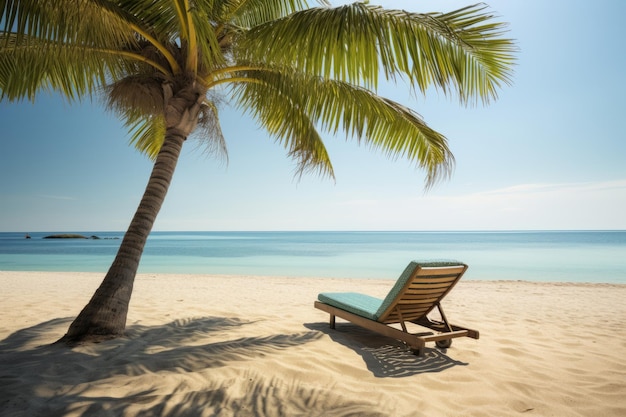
548, 256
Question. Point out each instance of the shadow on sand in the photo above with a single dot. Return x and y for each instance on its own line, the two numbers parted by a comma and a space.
133, 375
386, 357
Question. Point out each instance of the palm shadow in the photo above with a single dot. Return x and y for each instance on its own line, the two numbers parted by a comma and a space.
51, 379
386, 357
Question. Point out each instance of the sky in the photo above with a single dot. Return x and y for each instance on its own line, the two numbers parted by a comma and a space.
549, 154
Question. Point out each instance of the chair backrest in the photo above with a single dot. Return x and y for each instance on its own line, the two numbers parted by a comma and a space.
418, 290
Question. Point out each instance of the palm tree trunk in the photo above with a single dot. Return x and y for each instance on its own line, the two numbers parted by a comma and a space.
104, 317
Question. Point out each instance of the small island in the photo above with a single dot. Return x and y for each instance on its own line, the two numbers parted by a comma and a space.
65, 236
74, 236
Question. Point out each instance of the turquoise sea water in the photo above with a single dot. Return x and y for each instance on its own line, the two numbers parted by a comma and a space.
565, 256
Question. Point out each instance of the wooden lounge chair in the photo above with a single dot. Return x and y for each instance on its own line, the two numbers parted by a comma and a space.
418, 291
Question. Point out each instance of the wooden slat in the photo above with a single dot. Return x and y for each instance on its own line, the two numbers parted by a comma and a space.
395, 316
409, 308
418, 300
417, 290
429, 285
433, 280
431, 292
407, 316
441, 271
412, 315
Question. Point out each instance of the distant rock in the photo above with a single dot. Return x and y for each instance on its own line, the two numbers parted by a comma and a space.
74, 236
65, 236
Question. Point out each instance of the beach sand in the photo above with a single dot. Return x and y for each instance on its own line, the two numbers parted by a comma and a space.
201, 345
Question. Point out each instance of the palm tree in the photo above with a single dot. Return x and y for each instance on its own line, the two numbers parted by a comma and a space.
165, 66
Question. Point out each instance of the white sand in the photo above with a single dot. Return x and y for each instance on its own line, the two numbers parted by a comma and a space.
255, 346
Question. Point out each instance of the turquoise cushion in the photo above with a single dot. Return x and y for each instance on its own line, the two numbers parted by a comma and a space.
359, 304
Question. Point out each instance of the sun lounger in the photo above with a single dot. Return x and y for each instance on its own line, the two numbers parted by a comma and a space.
418, 291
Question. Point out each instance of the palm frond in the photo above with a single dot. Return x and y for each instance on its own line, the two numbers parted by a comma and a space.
251, 13
209, 133
284, 105
461, 51
208, 49
150, 20
380, 123
489, 60
147, 133
156, 17
283, 115
74, 47
29, 65
67, 21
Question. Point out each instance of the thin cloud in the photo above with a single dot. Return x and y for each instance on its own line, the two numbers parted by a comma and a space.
536, 188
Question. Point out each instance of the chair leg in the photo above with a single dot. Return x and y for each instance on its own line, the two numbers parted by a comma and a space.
404, 329
443, 316
332, 321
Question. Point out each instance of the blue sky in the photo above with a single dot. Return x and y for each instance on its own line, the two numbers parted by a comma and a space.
549, 154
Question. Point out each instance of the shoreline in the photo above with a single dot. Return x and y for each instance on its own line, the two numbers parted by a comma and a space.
391, 279
222, 345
